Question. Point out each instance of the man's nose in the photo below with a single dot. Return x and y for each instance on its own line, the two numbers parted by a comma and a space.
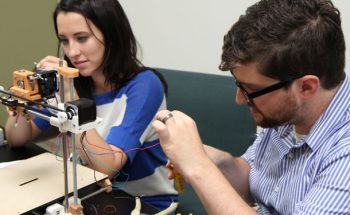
240, 98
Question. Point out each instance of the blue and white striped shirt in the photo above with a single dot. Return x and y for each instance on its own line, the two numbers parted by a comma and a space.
311, 176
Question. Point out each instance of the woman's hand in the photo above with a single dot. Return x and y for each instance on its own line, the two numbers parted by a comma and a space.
10, 112
50, 62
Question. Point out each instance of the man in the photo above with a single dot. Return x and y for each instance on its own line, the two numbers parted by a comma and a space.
287, 58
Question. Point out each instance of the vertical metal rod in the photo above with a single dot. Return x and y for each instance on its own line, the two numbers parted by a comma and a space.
64, 146
75, 179
72, 135
65, 158
62, 89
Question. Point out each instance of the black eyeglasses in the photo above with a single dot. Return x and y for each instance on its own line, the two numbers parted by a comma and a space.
250, 96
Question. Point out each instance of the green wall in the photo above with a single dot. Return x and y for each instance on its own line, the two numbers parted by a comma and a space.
26, 36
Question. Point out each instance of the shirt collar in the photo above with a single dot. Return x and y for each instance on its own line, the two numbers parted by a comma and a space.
334, 116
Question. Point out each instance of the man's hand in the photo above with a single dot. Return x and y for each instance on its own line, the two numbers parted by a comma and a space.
180, 141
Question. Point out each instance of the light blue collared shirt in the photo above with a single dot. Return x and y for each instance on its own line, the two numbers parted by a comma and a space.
311, 176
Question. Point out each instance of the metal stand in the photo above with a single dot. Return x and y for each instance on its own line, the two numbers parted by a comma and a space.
71, 136
65, 116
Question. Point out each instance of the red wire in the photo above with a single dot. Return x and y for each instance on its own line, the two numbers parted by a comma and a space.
111, 150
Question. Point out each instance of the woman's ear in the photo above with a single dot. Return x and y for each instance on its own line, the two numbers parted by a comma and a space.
308, 85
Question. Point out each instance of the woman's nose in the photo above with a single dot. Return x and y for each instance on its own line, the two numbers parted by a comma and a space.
72, 50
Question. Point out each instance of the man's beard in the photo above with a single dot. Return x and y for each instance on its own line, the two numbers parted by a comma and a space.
286, 113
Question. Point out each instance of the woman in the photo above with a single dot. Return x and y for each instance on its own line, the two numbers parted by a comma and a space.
97, 39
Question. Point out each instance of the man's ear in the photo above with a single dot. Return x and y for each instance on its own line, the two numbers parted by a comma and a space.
308, 85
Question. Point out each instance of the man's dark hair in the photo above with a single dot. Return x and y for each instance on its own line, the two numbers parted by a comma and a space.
288, 39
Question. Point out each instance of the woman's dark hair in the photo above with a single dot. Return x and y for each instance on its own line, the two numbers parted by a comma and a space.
120, 58
289, 38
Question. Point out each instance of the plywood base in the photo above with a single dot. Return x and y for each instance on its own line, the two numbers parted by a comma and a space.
31, 183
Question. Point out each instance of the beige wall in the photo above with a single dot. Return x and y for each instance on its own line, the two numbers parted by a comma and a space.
26, 36
188, 34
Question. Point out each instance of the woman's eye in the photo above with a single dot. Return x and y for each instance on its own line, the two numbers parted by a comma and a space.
82, 38
63, 41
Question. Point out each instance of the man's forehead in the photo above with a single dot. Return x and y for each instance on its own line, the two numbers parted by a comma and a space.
248, 73
244, 68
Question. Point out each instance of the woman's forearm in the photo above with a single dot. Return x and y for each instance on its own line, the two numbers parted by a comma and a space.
100, 155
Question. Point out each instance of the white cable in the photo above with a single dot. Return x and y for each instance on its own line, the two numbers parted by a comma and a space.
137, 208
172, 207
